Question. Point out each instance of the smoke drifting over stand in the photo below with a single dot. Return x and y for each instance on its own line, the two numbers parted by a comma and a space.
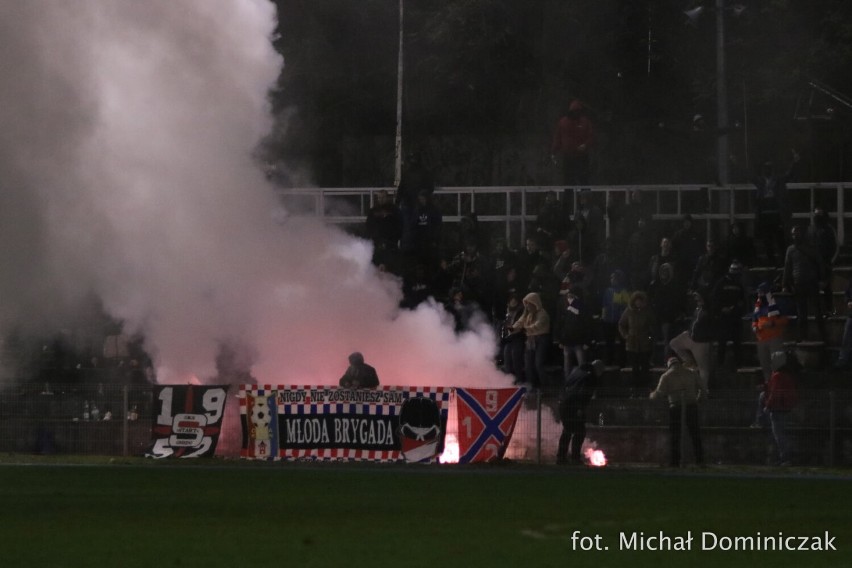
126, 171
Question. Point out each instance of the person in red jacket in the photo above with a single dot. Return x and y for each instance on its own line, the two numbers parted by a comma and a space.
781, 399
572, 140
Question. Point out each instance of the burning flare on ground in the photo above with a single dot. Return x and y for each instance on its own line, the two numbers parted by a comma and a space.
594, 456
451, 450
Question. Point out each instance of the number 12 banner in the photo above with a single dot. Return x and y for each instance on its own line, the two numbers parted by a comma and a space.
187, 420
486, 420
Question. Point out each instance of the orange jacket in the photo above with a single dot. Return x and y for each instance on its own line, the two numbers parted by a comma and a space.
767, 322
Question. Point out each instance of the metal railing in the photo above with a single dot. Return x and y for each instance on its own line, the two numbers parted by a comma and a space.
636, 430
514, 207
62, 419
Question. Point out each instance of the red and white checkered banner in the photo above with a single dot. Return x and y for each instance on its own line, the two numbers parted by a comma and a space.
331, 423
486, 421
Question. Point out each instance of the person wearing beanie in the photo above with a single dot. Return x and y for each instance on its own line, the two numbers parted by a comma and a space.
359, 375
683, 388
577, 391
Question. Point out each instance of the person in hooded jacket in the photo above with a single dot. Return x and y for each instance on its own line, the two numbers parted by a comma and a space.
535, 322
359, 375
573, 139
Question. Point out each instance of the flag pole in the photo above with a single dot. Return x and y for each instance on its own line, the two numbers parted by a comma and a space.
397, 173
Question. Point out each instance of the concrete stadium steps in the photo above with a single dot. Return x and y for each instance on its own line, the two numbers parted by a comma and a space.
617, 382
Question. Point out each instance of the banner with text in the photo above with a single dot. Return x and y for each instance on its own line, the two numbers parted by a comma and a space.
331, 423
486, 421
187, 420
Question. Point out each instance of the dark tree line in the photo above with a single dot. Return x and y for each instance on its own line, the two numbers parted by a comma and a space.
485, 81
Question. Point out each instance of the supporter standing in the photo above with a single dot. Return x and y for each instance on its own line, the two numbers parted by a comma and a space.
636, 326
577, 392
823, 238
667, 302
844, 361
728, 300
770, 202
781, 399
696, 342
739, 245
688, 244
535, 322
563, 257
528, 259
384, 227
550, 222
768, 325
804, 275
607, 262
709, 268
415, 179
591, 227
626, 219
640, 248
572, 327
511, 340
683, 388
613, 303
359, 375
421, 230
665, 256
573, 139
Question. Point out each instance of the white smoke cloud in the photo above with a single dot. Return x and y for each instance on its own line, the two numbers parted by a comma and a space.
126, 171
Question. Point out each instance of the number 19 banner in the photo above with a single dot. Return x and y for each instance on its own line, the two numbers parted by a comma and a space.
187, 420
486, 420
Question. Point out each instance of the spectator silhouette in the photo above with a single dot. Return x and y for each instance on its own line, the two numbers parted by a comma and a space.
577, 392
572, 142
384, 227
359, 375
804, 275
771, 210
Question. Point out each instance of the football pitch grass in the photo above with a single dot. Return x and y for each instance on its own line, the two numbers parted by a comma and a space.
210, 513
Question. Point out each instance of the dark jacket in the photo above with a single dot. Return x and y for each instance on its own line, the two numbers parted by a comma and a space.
703, 327
359, 375
579, 387
803, 267
573, 322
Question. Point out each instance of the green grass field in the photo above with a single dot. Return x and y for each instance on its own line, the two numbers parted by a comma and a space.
222, 513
